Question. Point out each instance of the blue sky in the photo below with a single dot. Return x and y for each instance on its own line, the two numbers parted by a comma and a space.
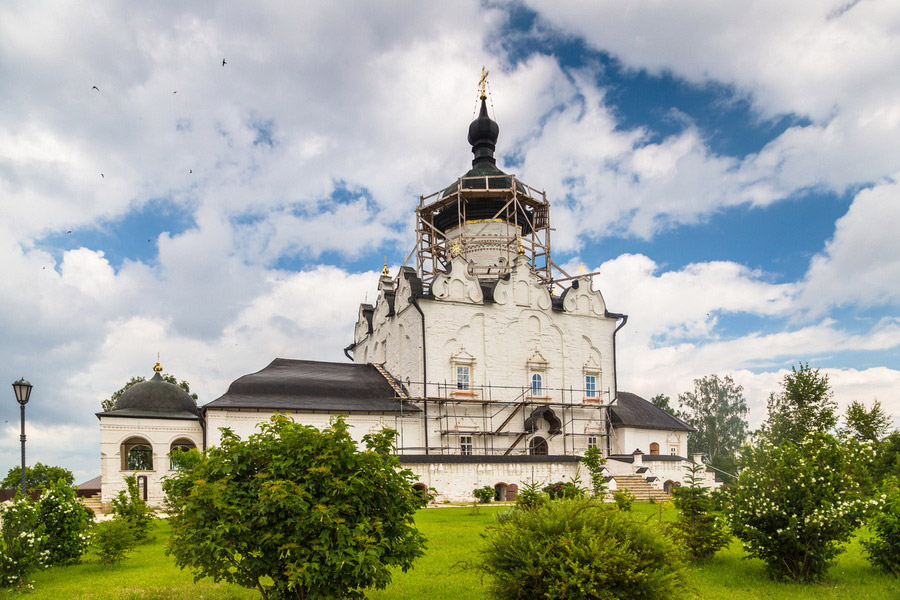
730, 170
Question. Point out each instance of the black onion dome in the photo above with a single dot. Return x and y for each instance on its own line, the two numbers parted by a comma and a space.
483, 134
156, 396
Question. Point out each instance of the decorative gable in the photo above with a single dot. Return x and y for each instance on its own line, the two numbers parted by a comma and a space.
458, 284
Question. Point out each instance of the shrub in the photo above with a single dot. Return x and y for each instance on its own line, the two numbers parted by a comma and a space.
131, 508
578, 548
21, 543
883, 550
530, 496
623, 499
483, 494
66, 524
698, 529
112, 539
794, 504
563, 489
296, 512
594, 462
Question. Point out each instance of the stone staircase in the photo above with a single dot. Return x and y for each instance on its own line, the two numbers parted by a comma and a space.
93, 503
639, 486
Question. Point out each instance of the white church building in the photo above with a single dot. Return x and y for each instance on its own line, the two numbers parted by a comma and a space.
495, 366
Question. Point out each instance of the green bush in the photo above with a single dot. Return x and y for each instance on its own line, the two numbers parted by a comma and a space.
112, 539
580, 549
595, 462
795, 504
128, 506
623, 499
697, 529
563, 489
883, 550
483, 494
296, 512
530, 496
21, 543
66, 524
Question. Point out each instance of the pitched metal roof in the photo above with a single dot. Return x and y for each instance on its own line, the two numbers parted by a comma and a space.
630, 410
309, 385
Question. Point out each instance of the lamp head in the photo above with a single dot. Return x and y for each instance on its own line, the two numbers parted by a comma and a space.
23, 391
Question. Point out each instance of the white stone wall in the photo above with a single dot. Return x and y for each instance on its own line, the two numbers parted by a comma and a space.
454, 482
159, 432
626, 440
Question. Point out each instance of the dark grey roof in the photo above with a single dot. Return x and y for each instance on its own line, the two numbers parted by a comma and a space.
485, 458
310, 385
156, 398
630, 410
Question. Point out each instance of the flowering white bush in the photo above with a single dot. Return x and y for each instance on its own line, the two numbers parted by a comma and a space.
795, 504
21, 544
66, 523
883, 550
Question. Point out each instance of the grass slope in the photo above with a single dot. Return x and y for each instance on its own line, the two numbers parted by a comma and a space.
453, 538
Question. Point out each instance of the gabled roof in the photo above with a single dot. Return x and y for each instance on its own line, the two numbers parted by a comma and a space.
630, 410
309, 385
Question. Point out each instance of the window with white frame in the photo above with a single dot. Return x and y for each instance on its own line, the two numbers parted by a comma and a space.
673, 450
465, 445
592, 441
590, 386
537, 384
462, 377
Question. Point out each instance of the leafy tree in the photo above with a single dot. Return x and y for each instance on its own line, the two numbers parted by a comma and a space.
717, 409
110, 403
296, 512
866, 424
112, 539
595, 462
128, 506
803, 406
662, 401
795, 504
66, 524
38, 477
21, 543
623, 499
883, 550
483, 495
886, 462
698, 529
580, 549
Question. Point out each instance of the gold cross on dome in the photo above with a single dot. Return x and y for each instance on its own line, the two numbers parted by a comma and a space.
455, 248
483, 82
581, 268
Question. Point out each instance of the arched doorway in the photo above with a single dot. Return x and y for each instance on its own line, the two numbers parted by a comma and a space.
512, 490
537, 446
421, 488
500, 491
142, 486
670, 485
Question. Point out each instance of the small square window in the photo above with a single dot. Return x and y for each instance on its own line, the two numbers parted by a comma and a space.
673, 451
590, 386
465, 445
462, 377
592, 441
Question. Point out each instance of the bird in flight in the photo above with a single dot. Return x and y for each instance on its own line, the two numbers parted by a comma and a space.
175, 92
190, 171
95, 88
102, 176
223, 62
69, 231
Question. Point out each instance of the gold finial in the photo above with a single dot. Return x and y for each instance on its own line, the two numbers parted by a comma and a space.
581, 268
483, 83
455, 248
157, 368
385, 272
521, 249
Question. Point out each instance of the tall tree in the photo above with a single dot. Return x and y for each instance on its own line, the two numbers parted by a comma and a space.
866, 424
40, 476
663, 402
803, 406
717, 409
110, 403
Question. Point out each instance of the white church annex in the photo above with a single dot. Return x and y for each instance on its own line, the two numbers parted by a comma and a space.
495, 366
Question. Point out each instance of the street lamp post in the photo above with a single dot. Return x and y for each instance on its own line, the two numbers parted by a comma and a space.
23, 392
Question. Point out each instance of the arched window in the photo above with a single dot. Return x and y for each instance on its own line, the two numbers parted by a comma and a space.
142, 486
176, 453
537, 384
421, 489
137, 455
654, 449
537, 446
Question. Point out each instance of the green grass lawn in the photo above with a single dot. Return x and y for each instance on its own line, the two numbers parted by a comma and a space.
453, 538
